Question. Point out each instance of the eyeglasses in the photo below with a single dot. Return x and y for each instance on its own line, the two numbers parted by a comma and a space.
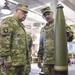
25, 12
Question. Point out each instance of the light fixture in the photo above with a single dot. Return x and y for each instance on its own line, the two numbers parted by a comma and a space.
6, 9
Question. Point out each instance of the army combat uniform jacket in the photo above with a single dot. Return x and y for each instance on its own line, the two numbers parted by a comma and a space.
13, 41
46, 49
29, 45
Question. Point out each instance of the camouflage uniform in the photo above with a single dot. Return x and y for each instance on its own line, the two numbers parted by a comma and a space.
13, 46
46, 49
28, 63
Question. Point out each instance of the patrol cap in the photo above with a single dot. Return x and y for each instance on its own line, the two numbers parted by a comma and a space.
46, 9
22, 7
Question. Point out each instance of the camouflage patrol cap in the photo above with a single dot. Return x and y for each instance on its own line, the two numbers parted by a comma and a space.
46, 9
22, 7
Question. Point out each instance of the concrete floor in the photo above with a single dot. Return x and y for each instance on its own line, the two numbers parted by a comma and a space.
71, 69
35, 70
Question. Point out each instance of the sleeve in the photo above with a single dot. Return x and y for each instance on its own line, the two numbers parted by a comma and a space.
30, 48
70, 34
41, 47
6, 30
29, 45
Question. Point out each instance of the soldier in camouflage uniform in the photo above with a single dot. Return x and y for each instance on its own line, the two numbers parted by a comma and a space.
13, 43
28, 63
46, 49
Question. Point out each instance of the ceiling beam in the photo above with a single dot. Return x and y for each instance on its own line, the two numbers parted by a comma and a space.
69, 4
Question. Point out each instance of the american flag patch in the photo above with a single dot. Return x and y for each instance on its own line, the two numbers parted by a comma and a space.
4, 25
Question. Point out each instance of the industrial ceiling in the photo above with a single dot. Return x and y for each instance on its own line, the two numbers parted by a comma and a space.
36, 5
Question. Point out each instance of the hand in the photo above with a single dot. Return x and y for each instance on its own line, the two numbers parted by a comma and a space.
70, 37
7, 64
39, 63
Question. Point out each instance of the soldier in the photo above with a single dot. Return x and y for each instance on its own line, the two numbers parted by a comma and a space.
46, 49
29, 46
13, 42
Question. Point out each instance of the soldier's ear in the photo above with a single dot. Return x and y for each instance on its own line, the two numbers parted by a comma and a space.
17, 9
52, 13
